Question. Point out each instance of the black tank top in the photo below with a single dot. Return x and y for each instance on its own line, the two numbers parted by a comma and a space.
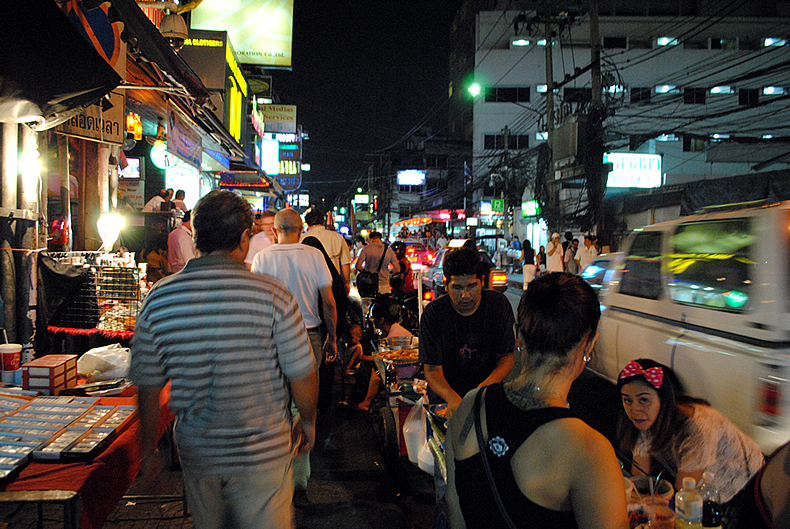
513, 426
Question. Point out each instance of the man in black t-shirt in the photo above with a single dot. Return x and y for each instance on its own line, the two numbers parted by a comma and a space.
466, 337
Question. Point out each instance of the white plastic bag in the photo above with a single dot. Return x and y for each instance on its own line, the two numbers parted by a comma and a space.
105, 363
415, 432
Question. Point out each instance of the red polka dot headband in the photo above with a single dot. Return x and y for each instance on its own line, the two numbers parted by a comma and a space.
654, 375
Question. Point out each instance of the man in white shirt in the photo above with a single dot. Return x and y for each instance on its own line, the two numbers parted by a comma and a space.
155, 204
586, 253
334, 244
178, 201
262, 235
180, 246
554, 254
304, 272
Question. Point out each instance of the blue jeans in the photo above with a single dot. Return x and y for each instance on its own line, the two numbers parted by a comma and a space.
241, 500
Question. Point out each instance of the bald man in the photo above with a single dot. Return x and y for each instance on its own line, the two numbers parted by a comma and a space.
304, 272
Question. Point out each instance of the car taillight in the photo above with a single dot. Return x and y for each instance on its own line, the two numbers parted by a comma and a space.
769, 393
499, 277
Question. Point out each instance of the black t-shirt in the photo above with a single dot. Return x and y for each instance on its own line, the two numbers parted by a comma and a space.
467, 347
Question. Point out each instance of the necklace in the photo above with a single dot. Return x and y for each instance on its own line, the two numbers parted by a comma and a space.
527, 399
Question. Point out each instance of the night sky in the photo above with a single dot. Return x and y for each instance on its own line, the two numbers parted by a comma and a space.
364, 75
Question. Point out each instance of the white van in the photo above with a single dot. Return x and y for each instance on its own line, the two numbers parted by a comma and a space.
709, 296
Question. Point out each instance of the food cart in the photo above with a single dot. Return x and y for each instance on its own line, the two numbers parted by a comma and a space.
396, 364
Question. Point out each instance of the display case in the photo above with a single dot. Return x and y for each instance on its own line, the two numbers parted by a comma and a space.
102, 293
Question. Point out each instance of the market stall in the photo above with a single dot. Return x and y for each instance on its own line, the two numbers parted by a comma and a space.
86, 294
100, 482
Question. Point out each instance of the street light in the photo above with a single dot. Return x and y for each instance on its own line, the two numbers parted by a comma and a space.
474, 89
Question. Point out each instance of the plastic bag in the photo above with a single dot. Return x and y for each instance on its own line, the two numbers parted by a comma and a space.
105, 363
415, 435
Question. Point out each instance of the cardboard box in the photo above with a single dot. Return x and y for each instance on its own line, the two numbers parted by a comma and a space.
50, 374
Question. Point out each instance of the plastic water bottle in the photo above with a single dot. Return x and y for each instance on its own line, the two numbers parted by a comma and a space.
688, 506
711, 502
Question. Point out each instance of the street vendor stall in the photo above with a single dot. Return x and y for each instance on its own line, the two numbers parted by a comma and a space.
99, 482
396, 364
86, 294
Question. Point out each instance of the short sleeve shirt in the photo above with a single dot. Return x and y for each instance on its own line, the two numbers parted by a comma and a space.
467, 347
370, 256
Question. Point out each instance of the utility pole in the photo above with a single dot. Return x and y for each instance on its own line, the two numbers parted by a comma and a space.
596, 176
551, 187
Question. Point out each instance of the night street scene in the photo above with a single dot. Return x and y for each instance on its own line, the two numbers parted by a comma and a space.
410, 265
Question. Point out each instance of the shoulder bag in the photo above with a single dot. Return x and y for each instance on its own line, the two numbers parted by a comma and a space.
368, 282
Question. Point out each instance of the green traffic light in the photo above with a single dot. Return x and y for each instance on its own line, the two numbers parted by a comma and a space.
474, 89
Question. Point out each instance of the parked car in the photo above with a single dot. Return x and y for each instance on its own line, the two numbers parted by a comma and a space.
709, 296
433, 274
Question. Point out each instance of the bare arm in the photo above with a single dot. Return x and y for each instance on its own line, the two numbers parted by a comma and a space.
435, 376
503, 368
346, 271
148, 410
305, 395
597, 490
330, 321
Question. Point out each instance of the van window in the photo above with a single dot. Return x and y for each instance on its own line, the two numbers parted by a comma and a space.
711, 264
642, 273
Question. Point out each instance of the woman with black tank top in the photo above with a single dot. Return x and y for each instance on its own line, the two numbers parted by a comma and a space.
540, 466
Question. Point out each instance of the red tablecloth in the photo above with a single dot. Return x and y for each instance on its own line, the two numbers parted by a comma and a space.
100, 483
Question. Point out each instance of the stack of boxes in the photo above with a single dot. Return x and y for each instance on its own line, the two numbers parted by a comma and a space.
50, 374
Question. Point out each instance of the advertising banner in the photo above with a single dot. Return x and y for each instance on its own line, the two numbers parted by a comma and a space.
260, 30
279, 118
183, 140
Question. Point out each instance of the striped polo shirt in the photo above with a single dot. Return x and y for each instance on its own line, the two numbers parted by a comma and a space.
228, 340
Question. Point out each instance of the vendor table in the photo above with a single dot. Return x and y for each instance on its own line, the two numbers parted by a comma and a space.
99, 484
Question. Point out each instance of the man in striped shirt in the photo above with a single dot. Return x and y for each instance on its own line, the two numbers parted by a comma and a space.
234, 347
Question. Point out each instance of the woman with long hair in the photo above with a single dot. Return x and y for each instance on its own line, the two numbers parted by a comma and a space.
668, 432
516, 455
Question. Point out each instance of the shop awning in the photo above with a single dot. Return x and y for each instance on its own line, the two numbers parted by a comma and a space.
416, 221
48, 71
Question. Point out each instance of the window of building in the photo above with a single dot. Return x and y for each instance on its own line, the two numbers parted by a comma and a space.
720, 90
703, 274
774, 91
497, 142
748, 96
724, 44
694, 96
542, 136
577, 95
667, 41
640, 95
436, 161
692, 144
411, 189
695, 44
504, 94
774, 41
404, 210
615, 42
667, 89
642, 272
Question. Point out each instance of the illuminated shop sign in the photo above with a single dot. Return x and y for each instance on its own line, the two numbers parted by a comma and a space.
634, 170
